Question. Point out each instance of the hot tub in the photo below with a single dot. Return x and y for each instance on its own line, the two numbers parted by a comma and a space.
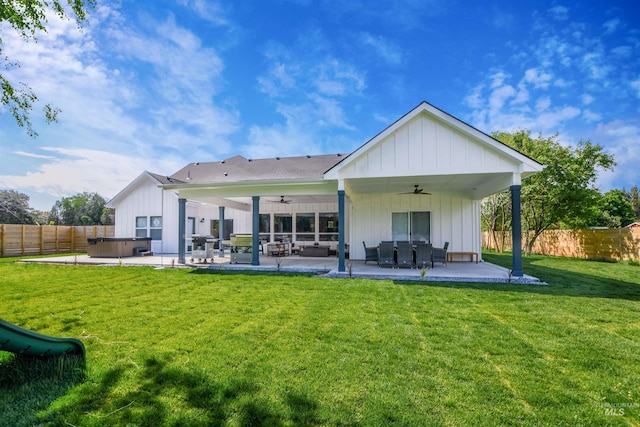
114, 247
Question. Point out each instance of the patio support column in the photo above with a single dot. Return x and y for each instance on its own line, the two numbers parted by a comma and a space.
516, 231
341, 226
182, 224
255, 230
221, 230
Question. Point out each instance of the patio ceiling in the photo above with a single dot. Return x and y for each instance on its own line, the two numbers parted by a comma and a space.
477, 185
238, 195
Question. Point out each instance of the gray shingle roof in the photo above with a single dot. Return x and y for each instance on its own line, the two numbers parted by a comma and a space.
162, 179
238, 168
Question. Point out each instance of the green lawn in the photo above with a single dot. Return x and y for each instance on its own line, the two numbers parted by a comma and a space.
186, 347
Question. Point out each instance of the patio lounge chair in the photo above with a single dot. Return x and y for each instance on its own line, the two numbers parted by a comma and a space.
385, 257
405, 255
423, 255
440, 254
370, 253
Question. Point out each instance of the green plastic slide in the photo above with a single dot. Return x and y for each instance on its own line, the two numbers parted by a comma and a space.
15, 339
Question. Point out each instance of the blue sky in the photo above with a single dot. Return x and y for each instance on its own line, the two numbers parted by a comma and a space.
153, 85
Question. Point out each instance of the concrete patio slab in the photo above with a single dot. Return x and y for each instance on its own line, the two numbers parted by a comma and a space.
326, 266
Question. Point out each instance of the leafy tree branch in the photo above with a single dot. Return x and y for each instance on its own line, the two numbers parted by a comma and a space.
27, 18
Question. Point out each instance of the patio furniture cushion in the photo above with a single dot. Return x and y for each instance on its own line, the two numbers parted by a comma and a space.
314, 251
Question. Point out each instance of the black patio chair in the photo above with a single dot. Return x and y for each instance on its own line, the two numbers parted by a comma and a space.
385, 256
405, 255
370, 253
423, 255
440, 254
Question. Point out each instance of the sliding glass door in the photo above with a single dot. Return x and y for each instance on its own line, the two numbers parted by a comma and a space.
411, 226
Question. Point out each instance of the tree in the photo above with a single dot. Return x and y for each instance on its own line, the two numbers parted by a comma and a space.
81, 209
563, 193
634, 198
27, 17
14, 208
615, 209
495, 213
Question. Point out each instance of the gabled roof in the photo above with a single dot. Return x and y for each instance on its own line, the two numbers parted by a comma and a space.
239, 169
531, 165
154, 177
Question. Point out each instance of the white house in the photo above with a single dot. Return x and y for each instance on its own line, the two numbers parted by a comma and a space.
421, 178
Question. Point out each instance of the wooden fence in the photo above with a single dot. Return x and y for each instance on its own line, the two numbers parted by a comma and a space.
20, 240
610, 244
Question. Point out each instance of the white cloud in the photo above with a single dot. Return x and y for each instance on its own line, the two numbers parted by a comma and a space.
384, 49
542, 104
623, 141
148, 118
538, 78
475, 99
499, 96
591, 116
207, 10
559, 13
587, 99
596, 65
74, 170
622, 51
611, 25
635, 85
522, 95
552, 119
33, 155
498, 78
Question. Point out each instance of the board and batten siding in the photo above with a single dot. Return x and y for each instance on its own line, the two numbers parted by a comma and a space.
454, 219
147, 199
424, 146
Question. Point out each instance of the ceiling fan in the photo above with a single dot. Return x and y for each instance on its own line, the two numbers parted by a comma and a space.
282, 200
417, 190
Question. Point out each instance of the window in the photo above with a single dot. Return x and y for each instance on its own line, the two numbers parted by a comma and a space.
149, 227
264, 227
156, 228
411, 226
328, 226
305, 227
228, 228
141, 226
282, 227
264, 220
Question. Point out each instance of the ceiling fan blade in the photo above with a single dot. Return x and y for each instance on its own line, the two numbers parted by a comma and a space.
282, 200
417, 190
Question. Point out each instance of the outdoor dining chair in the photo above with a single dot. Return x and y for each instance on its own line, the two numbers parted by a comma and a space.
405, 255
423, 255
440, 254
385, 257
370, 253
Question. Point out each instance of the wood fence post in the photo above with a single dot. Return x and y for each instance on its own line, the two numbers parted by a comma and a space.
41, 240
3, 241
23, 239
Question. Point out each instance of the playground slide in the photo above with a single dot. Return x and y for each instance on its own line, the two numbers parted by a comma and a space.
15, 339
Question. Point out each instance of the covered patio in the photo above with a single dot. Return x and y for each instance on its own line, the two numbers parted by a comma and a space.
483, 272
421, 179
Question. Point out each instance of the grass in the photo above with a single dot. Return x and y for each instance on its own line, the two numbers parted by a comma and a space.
185, 347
